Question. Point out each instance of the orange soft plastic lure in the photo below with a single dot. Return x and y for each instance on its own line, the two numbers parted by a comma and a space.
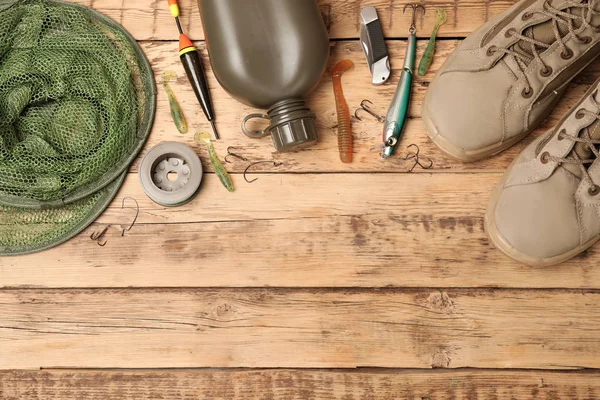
345, 139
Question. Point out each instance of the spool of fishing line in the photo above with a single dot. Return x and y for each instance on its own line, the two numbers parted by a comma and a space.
171, 174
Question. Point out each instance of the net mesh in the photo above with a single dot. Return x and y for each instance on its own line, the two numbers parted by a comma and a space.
77, 99
25, 231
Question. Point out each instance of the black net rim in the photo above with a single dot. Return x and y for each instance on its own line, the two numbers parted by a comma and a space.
142, 134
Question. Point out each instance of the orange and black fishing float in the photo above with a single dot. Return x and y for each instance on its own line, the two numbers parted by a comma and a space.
193, 68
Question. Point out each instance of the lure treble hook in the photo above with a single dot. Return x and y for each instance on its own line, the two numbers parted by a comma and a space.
96, 236
415, 155
365, 106
230, 153
415, 8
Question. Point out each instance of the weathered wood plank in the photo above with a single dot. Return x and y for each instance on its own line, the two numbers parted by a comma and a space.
324, 156
152, 20
264, 328
299, 385
373, 230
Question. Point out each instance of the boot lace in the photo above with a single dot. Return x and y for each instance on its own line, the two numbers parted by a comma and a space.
588, 142
558, 17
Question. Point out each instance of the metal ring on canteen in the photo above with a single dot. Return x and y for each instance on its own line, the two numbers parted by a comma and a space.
171, 174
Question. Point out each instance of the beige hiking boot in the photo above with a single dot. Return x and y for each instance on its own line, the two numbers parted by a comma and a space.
546, 209
504, 79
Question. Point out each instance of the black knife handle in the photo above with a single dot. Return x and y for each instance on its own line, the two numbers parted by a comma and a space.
377, 40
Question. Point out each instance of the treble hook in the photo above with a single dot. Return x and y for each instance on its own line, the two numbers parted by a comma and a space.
232, 154
275, 164
137, 214
364, 105
96, 236
415, 155
415, 7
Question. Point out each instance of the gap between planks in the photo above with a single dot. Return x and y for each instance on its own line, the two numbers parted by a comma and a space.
152, 20
324, 155
422, 231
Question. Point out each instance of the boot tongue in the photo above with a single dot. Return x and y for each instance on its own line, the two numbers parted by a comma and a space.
545, 33
582, 150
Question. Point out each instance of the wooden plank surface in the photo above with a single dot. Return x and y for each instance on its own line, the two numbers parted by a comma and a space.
194, 267
405, 230
152, 20
357, 86
299, 385
264, 328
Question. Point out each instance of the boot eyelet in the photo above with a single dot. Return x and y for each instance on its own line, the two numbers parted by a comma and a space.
527, 16
527, 93
567, 54
545, 158
491, 51
509, 33
580, 114
586, 39
560, 136
546, 72
594, 190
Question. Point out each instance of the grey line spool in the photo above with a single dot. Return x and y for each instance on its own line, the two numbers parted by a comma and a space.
171, 174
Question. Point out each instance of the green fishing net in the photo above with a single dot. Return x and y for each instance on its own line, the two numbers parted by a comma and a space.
77, 100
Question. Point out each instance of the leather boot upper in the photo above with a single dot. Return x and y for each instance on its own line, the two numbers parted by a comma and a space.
549, 200
504, 78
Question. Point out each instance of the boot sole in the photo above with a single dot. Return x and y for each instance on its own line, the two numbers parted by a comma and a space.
503, 245
462, 155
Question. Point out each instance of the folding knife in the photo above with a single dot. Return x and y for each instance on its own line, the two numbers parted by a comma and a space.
373, 44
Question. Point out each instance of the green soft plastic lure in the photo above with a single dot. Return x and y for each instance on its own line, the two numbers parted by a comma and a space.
440, 18
397, 113
204, 137
176, 112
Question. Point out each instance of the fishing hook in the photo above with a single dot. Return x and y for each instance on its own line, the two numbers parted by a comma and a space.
137, 213
234, 155
415, 155
364, 106
415, 8
275, 164
96, 236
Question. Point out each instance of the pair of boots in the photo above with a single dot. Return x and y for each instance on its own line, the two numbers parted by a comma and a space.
499, 85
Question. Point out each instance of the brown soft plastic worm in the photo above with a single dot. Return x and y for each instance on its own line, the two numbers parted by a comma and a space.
345, 139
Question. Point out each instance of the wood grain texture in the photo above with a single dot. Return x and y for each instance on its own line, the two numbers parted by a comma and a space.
264, 328
363, 384
324, 157
373, 231
206, 291
152, 20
